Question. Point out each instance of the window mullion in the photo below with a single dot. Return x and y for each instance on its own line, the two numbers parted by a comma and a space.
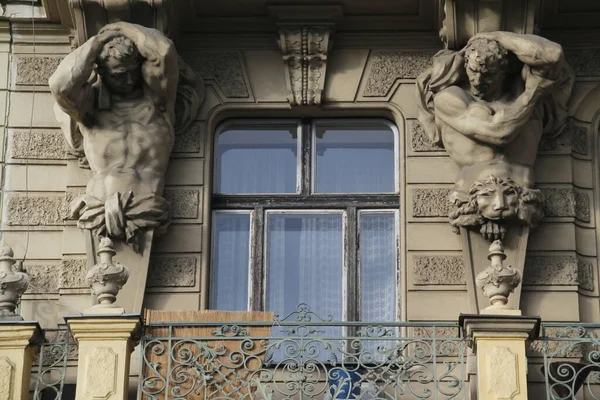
352, 278
306, 159
257, 260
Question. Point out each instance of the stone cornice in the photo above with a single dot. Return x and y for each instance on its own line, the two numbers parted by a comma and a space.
40, 33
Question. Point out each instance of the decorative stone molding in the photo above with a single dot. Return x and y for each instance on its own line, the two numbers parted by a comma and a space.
172, 272
438, 270
573, 136
585, 62
38, 145
223, 68
184, 203
107, 277
585, 275
419, 140
464, 18
387, 67
6, 378
440, 333
35, 70
582, 206
430, 202
90, 15
497, 281
73, 272
304, 50
13, 283
35, 210
101, 373
190, 140
551, 270
43, 278
558, 202
503, 368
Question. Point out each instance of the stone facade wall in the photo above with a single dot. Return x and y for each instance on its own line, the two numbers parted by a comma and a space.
248, 80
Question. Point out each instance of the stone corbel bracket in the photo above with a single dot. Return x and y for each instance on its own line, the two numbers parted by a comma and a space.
304, 51
462, 19
304, 41
91, 15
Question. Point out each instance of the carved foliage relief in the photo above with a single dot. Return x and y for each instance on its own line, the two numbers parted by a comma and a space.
503, 370
304, 50
6, 378
101, 373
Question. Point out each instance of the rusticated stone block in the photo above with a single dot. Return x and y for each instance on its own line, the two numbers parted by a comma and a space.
172, 272
42, 278
585, 276
225, 68
430, 202
572, 135
189, 141
36, 70
438, 270
72, 273
585, 62
35, 210
39, 145
183, 202
551, 270
419, 140
582, 206
387, 67
559, 202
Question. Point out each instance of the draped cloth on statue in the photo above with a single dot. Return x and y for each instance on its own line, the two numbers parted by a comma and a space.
121, 215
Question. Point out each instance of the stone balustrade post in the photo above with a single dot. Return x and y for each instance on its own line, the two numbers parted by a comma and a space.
105, 344
500, 343
19, 341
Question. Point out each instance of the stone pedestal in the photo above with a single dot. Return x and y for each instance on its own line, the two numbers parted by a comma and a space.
105, 345
499, 343
18, 346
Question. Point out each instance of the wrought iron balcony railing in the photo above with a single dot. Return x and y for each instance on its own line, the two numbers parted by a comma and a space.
571, 354
302, 356
50, 367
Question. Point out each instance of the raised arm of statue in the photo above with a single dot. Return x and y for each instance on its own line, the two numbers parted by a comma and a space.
71, 82
545, 57
477, 121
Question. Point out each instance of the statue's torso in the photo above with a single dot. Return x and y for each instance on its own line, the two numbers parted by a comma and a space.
128, 148
465, 151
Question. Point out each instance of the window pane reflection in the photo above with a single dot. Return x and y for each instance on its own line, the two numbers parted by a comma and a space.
231, 255
355, 159
257, 160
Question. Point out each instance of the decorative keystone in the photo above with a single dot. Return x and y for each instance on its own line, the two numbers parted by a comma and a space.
107, 277
13, 283
498, 281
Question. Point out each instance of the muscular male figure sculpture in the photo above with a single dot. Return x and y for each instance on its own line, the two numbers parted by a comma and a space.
489, 105
118, 91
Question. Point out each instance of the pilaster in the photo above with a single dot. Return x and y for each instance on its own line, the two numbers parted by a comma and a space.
105, 344
18, 341
499, 343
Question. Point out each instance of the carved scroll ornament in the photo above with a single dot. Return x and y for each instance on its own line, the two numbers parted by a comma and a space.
120, 99
489, 105
304, 50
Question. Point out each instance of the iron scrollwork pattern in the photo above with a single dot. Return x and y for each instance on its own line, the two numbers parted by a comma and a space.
571, 356
303, 356
50, 367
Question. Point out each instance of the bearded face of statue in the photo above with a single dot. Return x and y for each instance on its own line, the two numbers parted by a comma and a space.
486, 65
497, 201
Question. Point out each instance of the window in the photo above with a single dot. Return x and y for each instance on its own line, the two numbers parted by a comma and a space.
306, 212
